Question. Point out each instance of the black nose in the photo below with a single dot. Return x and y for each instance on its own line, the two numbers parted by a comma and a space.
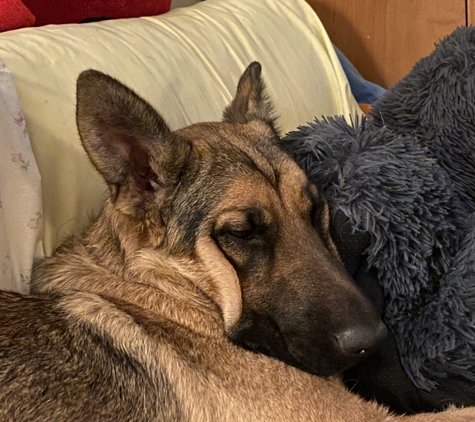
360, 341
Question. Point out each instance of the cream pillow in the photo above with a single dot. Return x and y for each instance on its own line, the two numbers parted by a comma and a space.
186, 63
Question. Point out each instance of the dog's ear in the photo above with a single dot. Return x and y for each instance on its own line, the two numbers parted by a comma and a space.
222, 283
128, 141
251, 101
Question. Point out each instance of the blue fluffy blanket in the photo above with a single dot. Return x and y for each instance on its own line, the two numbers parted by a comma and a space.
406, 177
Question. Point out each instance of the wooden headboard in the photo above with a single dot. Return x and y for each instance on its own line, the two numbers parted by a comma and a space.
384, 38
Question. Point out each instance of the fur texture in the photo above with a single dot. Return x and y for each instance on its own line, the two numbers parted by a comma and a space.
406, 177
141, 315
134, 319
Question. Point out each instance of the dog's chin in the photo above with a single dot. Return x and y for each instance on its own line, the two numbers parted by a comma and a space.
323, 366
267, 339
288, 359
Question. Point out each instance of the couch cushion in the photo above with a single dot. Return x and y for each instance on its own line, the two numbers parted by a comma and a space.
186, 63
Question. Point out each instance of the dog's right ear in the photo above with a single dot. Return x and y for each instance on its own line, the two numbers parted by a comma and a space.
251, 101
127, 141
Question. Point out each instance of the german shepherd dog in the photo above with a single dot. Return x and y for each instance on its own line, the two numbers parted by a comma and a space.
211, 239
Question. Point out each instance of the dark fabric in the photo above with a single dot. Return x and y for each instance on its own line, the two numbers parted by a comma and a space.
436, 103
405, 181
381, 377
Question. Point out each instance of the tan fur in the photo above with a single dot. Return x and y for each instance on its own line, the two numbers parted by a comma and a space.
134, 318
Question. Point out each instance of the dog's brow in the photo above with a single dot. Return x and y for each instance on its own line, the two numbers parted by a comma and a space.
237, 213
270, 174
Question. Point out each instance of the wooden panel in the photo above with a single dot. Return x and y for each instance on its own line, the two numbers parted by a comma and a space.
384, 38
470, 12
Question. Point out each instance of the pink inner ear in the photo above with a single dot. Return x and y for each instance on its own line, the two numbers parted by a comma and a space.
141, 170
136, 155
123, 144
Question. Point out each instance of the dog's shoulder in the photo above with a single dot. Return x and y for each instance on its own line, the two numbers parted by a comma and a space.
62, 351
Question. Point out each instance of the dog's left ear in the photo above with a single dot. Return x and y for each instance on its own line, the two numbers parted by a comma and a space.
251, 102
129, 143
222, 283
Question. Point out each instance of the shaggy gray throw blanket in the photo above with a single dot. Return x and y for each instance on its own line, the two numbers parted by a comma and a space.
406, 176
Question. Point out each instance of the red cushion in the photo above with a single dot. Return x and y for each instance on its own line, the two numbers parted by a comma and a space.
14, 14
75, 11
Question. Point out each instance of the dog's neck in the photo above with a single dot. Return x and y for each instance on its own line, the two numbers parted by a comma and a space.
108, 261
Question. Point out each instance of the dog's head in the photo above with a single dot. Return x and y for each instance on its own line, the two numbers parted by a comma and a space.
225, 197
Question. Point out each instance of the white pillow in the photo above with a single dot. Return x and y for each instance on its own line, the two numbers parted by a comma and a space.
186, 63
20, 192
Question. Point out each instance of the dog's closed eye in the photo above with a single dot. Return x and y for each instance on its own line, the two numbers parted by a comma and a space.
243, 233
242, 225
241, 230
